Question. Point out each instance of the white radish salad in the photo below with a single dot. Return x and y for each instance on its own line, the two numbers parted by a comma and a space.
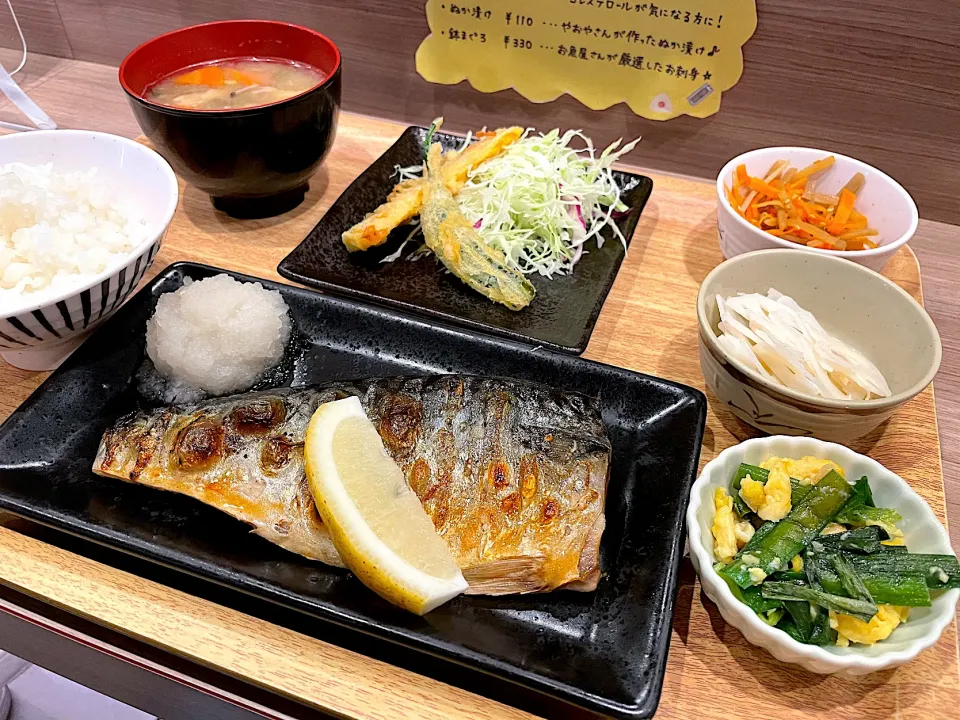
785, 344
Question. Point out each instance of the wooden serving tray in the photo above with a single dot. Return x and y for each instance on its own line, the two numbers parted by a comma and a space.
648, 324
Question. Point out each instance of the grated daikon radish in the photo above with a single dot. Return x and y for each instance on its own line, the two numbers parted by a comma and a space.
785, 344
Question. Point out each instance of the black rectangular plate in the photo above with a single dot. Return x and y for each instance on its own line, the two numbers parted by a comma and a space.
562, 315
605, 651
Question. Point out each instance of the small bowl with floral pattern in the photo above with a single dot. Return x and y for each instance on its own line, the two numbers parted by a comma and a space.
854, 304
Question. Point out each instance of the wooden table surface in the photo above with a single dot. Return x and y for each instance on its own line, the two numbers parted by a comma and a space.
648, 324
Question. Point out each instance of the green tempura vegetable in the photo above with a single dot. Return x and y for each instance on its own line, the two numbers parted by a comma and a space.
428, 138
460, 248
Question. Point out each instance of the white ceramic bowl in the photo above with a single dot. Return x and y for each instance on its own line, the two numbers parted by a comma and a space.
922, 531
888, 207
42, 330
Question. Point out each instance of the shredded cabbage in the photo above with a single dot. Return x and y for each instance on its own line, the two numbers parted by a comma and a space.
541, 200
785, 344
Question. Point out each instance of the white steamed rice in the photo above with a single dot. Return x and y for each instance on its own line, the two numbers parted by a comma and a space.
216, 336
58, 230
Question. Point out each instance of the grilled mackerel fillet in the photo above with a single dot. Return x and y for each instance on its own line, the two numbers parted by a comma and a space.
513, 474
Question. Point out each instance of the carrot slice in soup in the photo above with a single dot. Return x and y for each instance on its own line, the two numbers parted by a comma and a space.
210, 75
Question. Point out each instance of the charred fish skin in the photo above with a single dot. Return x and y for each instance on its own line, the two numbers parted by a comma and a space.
242, 455
513, 474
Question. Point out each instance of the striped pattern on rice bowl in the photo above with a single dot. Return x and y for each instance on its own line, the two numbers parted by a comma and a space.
78, 313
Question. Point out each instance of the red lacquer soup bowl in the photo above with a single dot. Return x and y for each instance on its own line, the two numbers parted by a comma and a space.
252, 161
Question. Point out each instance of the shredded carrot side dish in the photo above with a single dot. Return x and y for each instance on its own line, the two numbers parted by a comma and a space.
785, 203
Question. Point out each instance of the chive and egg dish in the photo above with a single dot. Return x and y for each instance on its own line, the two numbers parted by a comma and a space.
811, 554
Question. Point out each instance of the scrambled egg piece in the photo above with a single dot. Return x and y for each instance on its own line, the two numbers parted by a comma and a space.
796, 564
895, 541
850, 629
808, 469
744, 531
833, 528
724, 527
770, 500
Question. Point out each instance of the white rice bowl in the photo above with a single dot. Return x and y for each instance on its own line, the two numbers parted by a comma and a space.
216, 336
58, 230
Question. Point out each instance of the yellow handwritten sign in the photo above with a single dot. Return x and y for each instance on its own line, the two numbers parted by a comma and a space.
663, 60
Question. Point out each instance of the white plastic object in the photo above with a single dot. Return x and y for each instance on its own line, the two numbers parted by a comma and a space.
11, 667
27, 106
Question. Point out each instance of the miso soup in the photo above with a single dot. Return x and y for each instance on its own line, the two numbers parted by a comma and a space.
234, 84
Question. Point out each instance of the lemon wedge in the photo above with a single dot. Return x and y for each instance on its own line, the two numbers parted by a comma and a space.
375, 520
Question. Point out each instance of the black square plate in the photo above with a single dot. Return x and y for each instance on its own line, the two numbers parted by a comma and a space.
561, 316
604, 650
